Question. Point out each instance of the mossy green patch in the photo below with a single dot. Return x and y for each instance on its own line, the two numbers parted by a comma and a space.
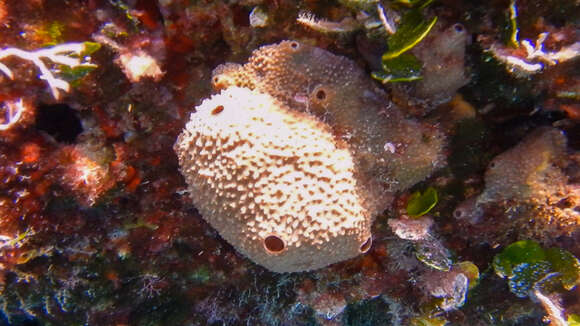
53, 33
564, 263
470, 270
513, 39
74, 74
90, 48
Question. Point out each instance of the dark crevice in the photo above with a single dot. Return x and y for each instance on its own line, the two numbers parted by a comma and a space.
59, 121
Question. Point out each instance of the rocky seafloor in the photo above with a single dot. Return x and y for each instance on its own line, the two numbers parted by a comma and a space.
469, 165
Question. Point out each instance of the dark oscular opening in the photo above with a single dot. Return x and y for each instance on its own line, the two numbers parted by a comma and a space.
320, 94
60, 121
217, 109
458, 28
294, 45
274, 244
366, 245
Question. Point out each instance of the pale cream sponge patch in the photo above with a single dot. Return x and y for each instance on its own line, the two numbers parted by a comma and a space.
275, 182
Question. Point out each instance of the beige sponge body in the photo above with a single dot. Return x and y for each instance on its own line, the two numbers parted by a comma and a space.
275, 182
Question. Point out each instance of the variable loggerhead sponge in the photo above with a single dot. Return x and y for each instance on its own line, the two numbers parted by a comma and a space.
275, 182
538, 159
394, 151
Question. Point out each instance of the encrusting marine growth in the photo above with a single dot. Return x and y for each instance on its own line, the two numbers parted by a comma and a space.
300, 151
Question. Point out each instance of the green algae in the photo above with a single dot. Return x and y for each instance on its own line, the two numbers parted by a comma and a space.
525, 251
427, 321
422, 203
528, 266
201, 275
526, 275
53, 32
513, 39
564, 263
73, 75
403, 68
573, 320
397, 64
413, 29
470, 270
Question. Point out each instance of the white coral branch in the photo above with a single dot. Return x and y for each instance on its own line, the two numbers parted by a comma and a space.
389, 26
306, 18
537, 52
536, 57
63, 54
12, 114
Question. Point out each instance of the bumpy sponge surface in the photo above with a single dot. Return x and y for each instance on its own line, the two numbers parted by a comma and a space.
274, 182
